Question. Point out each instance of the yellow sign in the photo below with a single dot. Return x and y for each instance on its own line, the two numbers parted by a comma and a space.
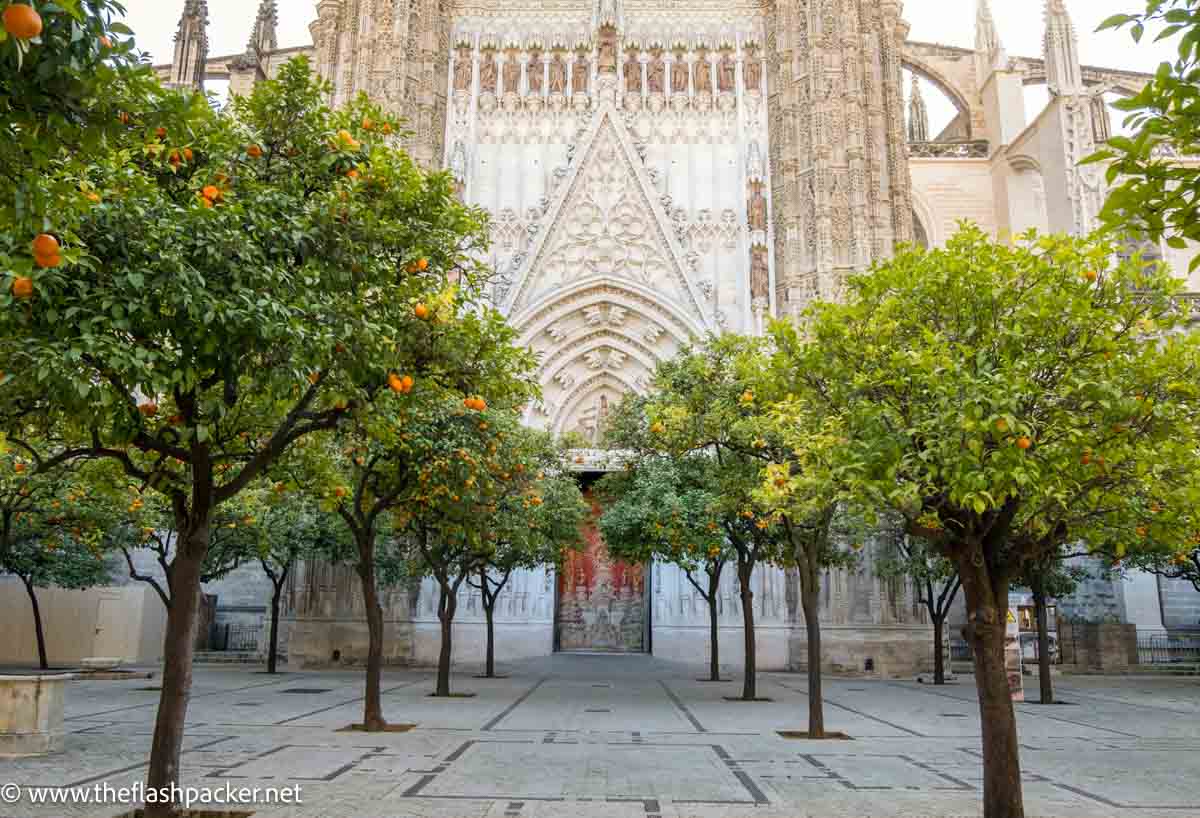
1011, 616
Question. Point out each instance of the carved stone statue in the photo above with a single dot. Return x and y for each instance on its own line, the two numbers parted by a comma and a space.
579, 76
752, 69
558, 76
487, 72
760, 273
462, 70
727, 74
633, 75
512, 76
656, 76
703, 75
534, 73
679, 77
607, 62
758, 208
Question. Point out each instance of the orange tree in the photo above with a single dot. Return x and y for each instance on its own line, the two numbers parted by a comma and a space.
66, 71
530, 517
1007, 400
804, 484
702, 404
50, 532
459, 357
244, 281
666, 509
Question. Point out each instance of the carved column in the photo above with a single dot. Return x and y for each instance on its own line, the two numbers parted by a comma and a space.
839, 165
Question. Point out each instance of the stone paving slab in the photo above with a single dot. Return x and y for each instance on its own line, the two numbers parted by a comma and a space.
634, 737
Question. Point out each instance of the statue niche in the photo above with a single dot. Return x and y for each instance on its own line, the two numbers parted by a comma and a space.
679, 76
487, 72
607, 61
656, 75
633, 74
558, 75
462, 70
579, 75
703, 74
727, 74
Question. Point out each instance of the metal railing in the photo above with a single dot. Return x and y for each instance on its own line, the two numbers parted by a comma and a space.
1162, 648
233, 636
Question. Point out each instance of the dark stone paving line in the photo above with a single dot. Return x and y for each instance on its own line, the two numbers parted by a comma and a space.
1078, 694
1040, 710
683, 708
349, 701
102, 776
756, 793
154, 703
829, 701
508, 710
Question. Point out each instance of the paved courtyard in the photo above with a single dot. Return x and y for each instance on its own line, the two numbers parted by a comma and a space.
619, 737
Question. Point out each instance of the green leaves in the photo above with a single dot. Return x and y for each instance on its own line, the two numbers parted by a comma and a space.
1155, 196
1034, 384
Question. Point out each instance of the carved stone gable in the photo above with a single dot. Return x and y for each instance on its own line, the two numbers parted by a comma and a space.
606, 224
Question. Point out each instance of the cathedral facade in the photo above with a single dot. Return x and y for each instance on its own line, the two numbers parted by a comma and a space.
657, 170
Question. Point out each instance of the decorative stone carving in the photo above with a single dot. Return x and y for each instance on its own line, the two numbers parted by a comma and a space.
579, 75
633, 74
487, 72
757, 208
760, 273
607, 62
462, 70
558, 75
727, 73
655, 75
679, 76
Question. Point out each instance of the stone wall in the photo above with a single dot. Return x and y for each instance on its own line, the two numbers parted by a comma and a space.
1098, 647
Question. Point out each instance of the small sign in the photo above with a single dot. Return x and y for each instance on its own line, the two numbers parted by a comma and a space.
1012, 656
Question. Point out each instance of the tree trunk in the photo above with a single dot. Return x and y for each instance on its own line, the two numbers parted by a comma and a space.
939, 648
446, 608
749, 682
810, 601
714, 659
179, 647
1045, 682
373, 720
273, 646
489, 613
37, 624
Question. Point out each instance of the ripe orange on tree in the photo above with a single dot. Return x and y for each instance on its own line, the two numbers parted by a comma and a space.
160, 132
211, 192
22, 22
148, 409
421, 311
254, 151
22, 287
1023, 443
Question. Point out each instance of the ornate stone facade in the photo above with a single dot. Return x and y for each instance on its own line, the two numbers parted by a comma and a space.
657, 170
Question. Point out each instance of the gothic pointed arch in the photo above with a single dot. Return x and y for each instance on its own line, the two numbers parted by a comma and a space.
606, 223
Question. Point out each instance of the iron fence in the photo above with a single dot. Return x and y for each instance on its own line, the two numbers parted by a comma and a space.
233, 636
1162, 648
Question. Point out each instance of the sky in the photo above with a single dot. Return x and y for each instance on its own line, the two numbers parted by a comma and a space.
942, 21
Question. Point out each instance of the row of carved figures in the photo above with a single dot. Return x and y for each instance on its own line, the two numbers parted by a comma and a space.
513, 72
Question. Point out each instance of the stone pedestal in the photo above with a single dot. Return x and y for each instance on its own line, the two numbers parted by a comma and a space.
31, 714
1098, 647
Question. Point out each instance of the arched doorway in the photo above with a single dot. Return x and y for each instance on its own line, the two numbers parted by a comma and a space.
601, 604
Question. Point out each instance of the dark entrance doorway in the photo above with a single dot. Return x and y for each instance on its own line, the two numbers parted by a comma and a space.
601, 602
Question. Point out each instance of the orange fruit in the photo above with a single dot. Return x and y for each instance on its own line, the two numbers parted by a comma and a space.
423, 264
1002, 425
407, 383
19, 467
367, 124
148, 409
160, 132
187, 154
387, 128
314, 377
22, 22
1023, 443
211, 192
104, 41
395, 383
94, 198
174, 158
352, 173
254, 151
45, 245
22, 287
1090, 275
340, 491
421, 311
206, 202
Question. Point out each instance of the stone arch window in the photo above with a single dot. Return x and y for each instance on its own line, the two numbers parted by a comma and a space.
920, 235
